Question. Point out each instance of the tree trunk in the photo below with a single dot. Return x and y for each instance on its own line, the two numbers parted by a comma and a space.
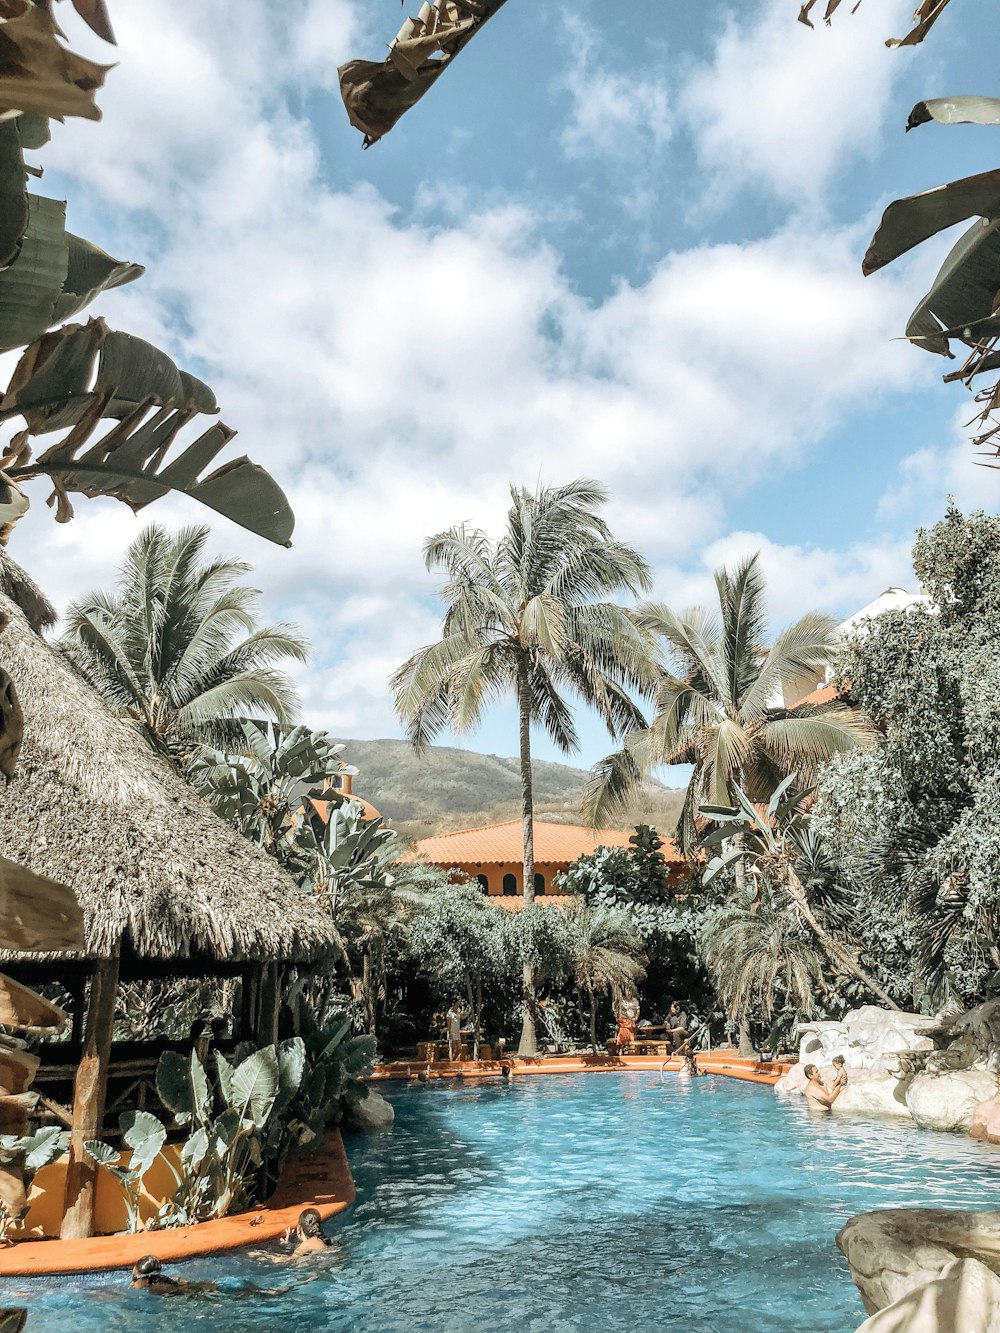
593, 1017
89, 1091
366, 991
834, 950
528, 1044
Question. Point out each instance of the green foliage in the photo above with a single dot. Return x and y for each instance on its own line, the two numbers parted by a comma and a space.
144, 1135
177, 648
26, 1154
604, 953
914, 823
715, 704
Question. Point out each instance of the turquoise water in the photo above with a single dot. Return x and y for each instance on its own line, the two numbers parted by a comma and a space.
584, 1204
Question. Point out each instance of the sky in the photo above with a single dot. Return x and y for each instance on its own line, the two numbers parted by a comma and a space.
621, 242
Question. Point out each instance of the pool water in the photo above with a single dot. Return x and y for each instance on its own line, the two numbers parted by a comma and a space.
573, 1204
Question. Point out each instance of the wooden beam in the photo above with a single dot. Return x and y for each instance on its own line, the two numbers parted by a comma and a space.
89, 1092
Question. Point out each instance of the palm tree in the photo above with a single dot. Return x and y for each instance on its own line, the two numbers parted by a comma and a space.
605, 953
721, 710
529, 617
756, 953
176, 646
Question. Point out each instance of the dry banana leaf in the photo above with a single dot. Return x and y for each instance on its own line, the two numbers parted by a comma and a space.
95, 14
38, 73
926, 15
377, 93
956, 111
21, 1008
37, 915
81, 375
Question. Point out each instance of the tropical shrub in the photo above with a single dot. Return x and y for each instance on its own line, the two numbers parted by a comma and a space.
22, 1156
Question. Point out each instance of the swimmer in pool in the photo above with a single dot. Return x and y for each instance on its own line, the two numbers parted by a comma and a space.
309, 1234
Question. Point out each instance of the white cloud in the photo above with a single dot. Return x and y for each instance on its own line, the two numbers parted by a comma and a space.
784, 108
396, 378
619, 113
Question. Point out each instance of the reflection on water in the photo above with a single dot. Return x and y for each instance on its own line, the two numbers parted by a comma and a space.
578, 1204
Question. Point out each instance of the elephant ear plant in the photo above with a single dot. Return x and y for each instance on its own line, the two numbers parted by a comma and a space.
21, 1157
242, 1117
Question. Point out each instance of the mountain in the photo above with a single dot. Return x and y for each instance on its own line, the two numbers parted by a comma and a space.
446, 789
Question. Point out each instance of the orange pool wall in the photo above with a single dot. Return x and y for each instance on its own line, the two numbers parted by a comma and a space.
323, 1182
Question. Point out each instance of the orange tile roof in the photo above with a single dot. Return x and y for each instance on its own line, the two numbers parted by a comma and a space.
322, 808
501, 844
825, 694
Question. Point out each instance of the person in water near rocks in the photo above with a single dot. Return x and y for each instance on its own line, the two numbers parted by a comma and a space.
817, 1093
309, 1234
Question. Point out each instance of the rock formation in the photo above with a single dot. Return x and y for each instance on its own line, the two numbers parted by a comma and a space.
926, 1270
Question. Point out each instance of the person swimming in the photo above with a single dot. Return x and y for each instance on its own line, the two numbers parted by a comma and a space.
309, 1234
148, 1275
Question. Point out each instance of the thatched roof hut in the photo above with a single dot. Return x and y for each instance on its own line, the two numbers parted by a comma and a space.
93, 807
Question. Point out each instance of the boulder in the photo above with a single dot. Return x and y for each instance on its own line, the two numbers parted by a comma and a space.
986, 1121
900, 1250
964, 1298
874, 1091
864, 1036
948, 1100
371, 1113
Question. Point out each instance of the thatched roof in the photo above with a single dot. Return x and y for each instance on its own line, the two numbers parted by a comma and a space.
93, 807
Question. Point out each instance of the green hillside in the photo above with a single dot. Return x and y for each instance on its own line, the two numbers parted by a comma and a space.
447, 789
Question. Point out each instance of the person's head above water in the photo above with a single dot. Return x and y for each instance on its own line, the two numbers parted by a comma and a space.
310, 1226
810, 1070
149, 1272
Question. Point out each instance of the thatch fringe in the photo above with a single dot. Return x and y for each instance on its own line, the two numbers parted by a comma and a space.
93, 807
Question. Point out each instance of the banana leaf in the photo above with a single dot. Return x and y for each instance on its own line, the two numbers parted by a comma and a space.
81, 374
955, 111
17, 1070
37, 914
38, 73
927, 14
13, 193
377, 93
963, 293
95, 14
53, 276
908, 222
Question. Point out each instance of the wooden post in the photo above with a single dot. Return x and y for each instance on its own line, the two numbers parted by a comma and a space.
270, 1004
89, 1091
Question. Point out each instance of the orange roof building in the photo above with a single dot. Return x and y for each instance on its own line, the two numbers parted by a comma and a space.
493, 856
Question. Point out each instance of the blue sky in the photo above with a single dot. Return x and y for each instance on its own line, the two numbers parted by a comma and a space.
613, 241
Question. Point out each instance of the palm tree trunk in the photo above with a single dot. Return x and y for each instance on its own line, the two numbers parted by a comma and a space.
834, 950
366, 991
593, 1017
528, 1044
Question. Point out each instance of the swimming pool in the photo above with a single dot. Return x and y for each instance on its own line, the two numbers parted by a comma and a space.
574, 1204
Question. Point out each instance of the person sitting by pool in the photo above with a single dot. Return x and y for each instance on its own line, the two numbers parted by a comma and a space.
628, 1018
678, 1031
817, 1093
309, 1234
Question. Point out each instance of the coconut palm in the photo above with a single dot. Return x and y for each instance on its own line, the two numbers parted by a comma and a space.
605, 953
529, 617
176, 646
721, 709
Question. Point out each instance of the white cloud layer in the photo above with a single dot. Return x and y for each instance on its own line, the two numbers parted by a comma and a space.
396, 378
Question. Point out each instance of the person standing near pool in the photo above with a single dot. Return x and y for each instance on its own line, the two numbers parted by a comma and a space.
628, 1018
453, 1027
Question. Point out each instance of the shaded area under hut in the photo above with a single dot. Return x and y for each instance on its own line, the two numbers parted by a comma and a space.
168, 889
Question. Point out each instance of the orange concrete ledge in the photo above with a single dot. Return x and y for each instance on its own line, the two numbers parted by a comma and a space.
323, 1182
727, 1063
